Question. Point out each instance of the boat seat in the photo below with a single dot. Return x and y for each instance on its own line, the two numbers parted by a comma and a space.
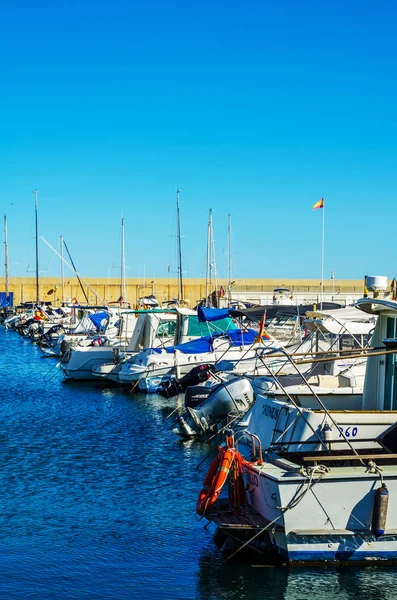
324, 381
346, 381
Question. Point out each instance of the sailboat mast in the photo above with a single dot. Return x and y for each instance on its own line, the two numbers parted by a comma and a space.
6, 253
122, 288
180, 283
213, 262
62, 271
208, 262
210, 253
37, 247
229, 257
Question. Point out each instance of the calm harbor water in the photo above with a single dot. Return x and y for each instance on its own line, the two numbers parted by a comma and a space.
97, 501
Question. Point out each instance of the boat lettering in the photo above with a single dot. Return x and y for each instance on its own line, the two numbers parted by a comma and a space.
271, 412
348, 431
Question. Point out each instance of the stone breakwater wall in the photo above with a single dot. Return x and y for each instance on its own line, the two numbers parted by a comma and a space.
259, 291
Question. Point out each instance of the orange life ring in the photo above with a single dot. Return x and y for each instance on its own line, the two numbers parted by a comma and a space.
215, 478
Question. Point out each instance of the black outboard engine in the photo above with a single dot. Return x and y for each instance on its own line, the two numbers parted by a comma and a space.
196, 395
21, 328
45, 340
225, 402
194, 377
65, 345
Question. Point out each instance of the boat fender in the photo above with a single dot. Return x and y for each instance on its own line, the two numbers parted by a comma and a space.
327, 436
379, 514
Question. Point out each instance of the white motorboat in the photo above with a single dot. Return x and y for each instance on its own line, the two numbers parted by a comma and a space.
116, 331
185, 327
154, 328
338, 380
180, 359
321, 483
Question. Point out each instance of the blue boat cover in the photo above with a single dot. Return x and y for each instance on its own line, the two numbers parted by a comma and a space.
100, 320
6, 301
242, 337
199, 346
212, 314
237, 337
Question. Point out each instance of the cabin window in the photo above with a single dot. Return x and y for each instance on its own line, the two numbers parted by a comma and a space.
390, 400
166, 329
349, 341
197, 328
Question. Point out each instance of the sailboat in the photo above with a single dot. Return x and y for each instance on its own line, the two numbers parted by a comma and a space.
118, 326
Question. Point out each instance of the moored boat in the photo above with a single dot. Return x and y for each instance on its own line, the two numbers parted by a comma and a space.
315, 485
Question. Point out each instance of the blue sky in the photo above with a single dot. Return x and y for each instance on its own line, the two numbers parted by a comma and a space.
257, 109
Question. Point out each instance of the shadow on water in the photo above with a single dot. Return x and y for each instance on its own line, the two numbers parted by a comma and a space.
217, 579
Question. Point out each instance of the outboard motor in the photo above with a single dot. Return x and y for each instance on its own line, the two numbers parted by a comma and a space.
197, 394
53, 333
228, 399
197, 375
22, 327
65, 345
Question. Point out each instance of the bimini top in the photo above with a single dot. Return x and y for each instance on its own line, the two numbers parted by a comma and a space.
350, 319
100, 320
212, 314
375, 306
236, 337
273, 310
349, 313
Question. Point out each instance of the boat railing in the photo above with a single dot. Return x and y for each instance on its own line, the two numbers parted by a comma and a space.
255, 441
318, 399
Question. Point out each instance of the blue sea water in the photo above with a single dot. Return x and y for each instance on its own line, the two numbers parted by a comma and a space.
97, 501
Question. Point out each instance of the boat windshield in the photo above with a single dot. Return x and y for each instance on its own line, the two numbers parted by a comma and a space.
201, 329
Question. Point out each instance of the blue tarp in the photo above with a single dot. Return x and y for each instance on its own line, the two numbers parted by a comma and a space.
199, 346
237, 337
6, 301
100, 320
242, 337
212, 314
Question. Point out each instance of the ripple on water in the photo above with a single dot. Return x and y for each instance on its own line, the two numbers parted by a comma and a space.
97, 501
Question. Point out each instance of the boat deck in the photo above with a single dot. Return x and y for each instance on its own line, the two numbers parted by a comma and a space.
226, 518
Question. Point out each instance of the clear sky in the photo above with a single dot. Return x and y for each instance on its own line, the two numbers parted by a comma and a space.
257, 109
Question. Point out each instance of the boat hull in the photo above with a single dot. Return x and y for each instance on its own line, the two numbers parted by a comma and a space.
332, 522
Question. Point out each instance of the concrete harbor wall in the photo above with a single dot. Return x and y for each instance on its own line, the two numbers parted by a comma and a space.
257, 291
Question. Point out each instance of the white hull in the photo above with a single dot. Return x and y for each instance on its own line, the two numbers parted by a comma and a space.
152, 364
81, 361
281, 425
332, 522
107, 372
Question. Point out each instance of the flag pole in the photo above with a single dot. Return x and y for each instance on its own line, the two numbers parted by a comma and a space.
322, 257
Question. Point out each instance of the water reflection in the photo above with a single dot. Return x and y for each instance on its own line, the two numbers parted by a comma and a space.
98, 501
218, 579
